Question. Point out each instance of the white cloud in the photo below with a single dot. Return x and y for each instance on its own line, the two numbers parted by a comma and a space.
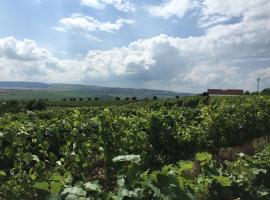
171, 8
226, 56
121, 5
263, 73
85, 25
21, 50
215, 12
213, 75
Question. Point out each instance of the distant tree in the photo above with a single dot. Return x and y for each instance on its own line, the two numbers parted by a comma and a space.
247, 93
254, 93
64, 99
30, 104
127, 98
80, 99
96, 98
177, 97
205, 94
117, 98
134, 98
265, 91
89, 99
13, 103
40, 105
35, 105
155, 97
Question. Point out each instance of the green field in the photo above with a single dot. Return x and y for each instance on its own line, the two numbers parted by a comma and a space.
191, 148
47, 94
31, 90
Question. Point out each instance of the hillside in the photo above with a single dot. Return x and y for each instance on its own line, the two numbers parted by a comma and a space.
17, 90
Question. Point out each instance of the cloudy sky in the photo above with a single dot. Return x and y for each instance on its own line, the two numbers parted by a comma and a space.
179, 45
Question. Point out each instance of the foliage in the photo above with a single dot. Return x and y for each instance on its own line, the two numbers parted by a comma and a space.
265, 91
133, 151
35, 105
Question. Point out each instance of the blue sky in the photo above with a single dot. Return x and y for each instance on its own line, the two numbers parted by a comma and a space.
180, 45
35, 19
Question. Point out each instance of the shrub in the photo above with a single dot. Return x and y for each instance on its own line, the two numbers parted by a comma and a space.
134, 98
35, 105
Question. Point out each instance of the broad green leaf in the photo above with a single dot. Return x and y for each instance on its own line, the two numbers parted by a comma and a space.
203, 156
128, 158
28, 157
92, 186
74, 197
263, 193
54, 197
57, 177
2, 173
122, 193
76, 190
258, 171
56, 187
185, 165
42, 186
222, 180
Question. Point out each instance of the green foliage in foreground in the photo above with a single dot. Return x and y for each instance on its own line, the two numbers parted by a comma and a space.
125, 152
247, 178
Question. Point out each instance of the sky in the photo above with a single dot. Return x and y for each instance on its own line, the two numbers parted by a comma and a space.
177, 45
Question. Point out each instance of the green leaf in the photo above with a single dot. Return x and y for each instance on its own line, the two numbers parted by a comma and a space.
42, 186
263, 193
54, 197
203, 156
258, 171
2, 173
128, 158
56, 187
185, 165
92, 186
57, 177
222, 180
76, 190
122, 193
74, 197
28, 157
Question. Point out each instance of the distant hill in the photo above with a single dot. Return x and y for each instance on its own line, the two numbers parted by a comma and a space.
15, 90
22, 85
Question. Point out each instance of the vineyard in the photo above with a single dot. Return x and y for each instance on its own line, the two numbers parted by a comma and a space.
195, 148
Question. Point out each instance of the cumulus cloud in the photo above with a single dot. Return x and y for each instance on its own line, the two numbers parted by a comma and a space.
215, 12
212, 12
121, 5
225, 56
85, 25
184, 64
21, 50
171, 8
